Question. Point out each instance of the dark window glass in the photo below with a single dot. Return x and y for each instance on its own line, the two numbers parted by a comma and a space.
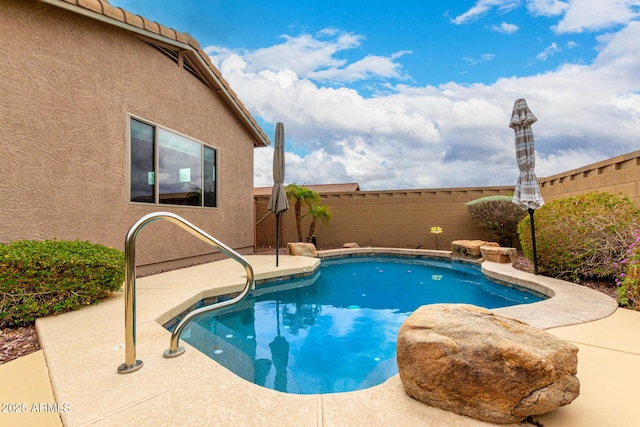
179, 170
142, 162
210, 193
186, 169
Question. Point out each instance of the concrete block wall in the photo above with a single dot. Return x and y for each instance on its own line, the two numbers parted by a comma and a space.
403, 218
400, 218
619, 174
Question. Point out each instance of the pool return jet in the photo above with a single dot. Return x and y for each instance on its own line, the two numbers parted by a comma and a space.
131, 364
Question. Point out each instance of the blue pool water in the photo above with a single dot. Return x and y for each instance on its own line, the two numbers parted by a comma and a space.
337, 330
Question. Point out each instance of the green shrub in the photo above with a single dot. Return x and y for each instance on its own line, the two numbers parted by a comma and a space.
498, 216
628, 281
42, 278
581, 237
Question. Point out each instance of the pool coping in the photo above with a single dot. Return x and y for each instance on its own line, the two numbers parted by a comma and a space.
84, 348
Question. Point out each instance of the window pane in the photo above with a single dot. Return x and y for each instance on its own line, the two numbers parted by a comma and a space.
179, 169
210, 193
142, 151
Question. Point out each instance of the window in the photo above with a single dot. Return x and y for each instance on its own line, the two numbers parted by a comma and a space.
168, 168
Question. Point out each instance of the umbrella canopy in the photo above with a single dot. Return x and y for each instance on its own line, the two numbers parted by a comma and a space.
278, 202
527, 193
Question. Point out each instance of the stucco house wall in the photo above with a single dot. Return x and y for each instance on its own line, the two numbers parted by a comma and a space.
68, 85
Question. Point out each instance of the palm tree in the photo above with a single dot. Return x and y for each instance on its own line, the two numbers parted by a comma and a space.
301, 194
317, 212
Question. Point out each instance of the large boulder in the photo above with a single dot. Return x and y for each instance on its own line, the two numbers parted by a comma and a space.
470, 248
467, 360
497, 254
302, 249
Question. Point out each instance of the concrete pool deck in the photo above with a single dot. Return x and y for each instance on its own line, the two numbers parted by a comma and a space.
81, 351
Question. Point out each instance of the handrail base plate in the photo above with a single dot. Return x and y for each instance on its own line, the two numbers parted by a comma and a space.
171, 354
127, 369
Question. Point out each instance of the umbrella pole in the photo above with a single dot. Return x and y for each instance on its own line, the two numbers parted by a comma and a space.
533, 242
277, 237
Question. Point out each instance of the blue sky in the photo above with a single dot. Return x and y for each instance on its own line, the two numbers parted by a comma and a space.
418, 94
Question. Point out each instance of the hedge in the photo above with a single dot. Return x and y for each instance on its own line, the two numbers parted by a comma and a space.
43, 278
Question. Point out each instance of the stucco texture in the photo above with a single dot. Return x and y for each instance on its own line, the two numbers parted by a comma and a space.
68, 85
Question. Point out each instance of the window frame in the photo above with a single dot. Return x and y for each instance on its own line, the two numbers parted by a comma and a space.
156, 165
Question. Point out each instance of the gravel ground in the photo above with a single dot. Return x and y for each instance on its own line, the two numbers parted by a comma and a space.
17, 342
605, 287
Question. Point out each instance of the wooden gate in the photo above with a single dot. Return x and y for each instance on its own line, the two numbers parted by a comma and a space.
265, 229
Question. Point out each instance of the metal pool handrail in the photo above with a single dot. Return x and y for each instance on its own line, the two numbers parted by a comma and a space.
131, 364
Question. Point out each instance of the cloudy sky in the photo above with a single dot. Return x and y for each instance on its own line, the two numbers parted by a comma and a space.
418, 94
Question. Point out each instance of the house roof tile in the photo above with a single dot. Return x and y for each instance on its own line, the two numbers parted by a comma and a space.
94, 5
134, 20
102, 8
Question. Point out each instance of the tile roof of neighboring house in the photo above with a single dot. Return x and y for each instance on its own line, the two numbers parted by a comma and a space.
320, 188
103, 11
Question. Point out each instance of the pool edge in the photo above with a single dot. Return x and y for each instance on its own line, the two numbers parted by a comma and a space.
98, 394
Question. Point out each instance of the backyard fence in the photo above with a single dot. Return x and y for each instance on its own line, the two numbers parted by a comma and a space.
403, 218
265, 230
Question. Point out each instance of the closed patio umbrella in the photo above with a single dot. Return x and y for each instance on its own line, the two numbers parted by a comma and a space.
278, 202
527, 192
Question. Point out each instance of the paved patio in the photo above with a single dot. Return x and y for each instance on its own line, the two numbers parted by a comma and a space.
82, 350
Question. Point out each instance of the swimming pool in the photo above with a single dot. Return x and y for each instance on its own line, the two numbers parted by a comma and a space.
336, 331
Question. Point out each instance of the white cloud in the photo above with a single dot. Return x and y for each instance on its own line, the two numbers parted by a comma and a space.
450, 135
312, 58
565, 160
577, 16
547, 7
548, 51
368, 67
590, 15
482, 7
303, 54
483, 58
505, 28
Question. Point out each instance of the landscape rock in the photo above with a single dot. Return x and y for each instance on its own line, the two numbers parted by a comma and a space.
470, 248
498, 254
350, 245
467, 360
302, 249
